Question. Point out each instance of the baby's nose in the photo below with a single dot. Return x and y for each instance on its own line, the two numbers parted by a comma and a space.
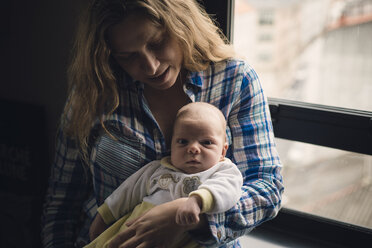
194, 149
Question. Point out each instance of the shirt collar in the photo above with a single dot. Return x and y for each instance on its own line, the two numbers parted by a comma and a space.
195, 79
166, 162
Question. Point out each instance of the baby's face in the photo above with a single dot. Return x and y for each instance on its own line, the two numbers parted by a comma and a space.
197, 145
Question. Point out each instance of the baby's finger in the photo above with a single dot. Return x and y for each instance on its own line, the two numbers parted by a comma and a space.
178, 221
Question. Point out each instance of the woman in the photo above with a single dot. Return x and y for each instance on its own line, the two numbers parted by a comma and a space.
135, 64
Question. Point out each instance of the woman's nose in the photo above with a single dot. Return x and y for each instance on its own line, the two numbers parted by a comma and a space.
149, 63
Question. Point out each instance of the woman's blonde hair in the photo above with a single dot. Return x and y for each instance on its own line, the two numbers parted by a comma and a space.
93, 73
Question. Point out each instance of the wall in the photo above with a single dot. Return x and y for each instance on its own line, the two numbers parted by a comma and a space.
37, 37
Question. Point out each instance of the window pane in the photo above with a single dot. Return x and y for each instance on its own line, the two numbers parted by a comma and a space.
317, 51
327, 182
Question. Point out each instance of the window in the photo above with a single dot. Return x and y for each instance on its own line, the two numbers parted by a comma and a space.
316, 68
322, 55
266, 37
264, 57
327, 182
266, 17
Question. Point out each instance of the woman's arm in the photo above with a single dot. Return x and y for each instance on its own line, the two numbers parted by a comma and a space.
68, 188
253, 151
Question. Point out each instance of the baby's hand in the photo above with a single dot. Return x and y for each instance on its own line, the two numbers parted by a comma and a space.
97, 227
188, 213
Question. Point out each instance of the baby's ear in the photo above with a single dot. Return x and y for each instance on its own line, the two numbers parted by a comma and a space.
224, 149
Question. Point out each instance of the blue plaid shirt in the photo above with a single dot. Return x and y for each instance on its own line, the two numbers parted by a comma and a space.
76, 189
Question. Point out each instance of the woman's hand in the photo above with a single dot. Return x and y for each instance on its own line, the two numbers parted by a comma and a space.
97, 227
156, 228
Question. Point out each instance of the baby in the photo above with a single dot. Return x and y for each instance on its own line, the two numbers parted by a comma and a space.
197, 169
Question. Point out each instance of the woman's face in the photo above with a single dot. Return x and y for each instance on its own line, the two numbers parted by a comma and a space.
145, 51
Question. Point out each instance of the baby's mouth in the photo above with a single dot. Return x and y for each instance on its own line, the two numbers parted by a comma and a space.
193, 161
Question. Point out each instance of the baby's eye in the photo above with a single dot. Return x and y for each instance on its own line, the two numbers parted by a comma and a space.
207, 142
182, 141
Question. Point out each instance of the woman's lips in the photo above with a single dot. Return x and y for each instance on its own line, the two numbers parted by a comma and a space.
162, 77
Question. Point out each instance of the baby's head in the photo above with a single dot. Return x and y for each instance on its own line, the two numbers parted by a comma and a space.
199, 138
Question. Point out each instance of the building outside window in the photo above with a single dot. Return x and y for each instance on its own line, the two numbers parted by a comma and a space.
318, 52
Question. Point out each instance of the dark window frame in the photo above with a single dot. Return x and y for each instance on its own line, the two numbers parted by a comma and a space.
222, 11
328, 126
340, 128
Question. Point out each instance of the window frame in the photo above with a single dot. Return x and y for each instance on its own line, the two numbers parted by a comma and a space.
222, 11
334, 127
328, 126
340, 128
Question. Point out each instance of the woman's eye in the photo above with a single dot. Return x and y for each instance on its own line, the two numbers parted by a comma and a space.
156, 45
158, 42
125, 56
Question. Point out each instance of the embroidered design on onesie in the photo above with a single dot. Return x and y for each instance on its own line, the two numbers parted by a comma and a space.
165, 180
190, 184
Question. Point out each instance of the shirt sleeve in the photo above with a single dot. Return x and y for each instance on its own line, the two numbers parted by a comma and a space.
131, 192
224, 186
206, 198
106, 214
69, 187
253, 151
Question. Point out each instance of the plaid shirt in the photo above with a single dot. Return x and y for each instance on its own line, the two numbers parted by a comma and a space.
232, 86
